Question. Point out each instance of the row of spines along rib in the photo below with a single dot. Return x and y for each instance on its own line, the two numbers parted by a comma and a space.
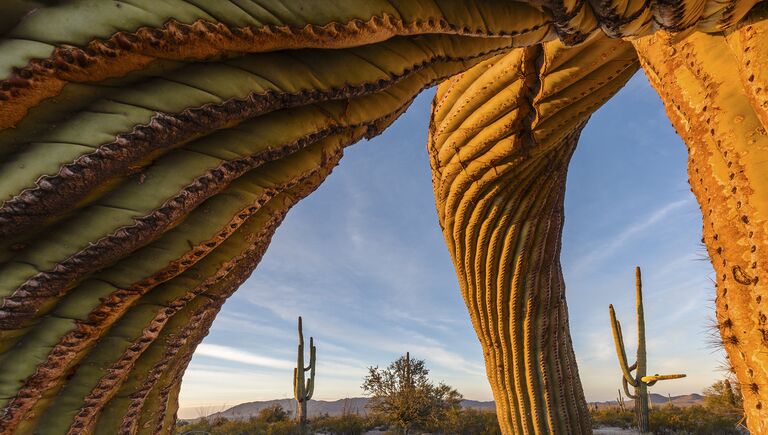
95, 40
172, 185
501, 137
119, 309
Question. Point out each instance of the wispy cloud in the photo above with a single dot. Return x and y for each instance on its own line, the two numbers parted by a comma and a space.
233, 354
610, 247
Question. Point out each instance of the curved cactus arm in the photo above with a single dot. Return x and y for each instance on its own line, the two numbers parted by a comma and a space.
500, 139
625, 386
113, 214
101, 297
95, 40
618, 340
116, 41
311, 355
651, 380
332, 117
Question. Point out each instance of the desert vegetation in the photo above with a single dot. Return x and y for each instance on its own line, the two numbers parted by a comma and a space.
458, 422
720, 414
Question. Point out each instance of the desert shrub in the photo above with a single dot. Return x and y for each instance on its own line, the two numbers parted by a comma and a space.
225, 427
468, 422
273, 414
284, 428
403, 395
612, 417
347, 424
695, 419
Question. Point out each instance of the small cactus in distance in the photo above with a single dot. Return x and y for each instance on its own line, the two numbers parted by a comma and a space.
620, 401
640, 381
303, 389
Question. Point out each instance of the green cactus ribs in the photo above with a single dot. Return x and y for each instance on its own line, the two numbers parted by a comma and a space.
640, 381
89, 319
304, 388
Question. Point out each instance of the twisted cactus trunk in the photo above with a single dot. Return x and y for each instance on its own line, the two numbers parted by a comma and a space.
501, 137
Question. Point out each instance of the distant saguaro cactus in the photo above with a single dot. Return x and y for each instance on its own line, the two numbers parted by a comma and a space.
640, 381
620, 401
302, 390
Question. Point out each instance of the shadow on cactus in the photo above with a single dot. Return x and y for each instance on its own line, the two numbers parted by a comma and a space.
639, 381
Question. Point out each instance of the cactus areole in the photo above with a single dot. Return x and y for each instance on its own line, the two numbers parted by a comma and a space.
639, 381
150, 149
303, 389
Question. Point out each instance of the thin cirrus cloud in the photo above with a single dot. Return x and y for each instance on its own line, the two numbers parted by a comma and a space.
637, 228
237, 355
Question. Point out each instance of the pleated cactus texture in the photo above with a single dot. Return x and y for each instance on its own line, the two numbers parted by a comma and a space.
149, 150
716, 94
640, 381
500, 140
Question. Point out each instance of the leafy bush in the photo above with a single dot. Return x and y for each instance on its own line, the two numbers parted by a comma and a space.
403, 395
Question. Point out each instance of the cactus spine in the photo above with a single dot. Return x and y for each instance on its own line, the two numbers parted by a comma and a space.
303, 389
639, 381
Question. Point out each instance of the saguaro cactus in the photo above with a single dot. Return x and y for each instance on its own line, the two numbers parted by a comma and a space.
303, 389
620, 401
639, 381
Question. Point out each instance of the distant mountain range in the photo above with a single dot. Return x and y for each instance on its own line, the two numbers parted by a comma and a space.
354, 405
658, 399
357, 405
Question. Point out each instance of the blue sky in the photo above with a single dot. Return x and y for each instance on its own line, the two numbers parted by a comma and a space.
363, 261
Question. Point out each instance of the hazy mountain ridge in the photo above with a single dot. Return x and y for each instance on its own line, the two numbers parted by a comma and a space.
356, 405
658, 399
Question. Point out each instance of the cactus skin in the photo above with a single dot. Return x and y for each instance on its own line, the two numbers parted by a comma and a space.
500, 140
149, 150
303, 390
714, 90
639, 381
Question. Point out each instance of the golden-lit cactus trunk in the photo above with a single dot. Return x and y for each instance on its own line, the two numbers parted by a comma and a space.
714, 88
501, 138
